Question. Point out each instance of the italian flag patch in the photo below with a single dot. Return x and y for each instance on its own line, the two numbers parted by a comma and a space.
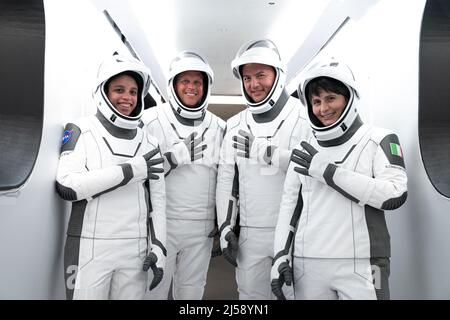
396, 150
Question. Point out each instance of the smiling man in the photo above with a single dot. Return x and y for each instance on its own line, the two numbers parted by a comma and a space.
190, 138
254, 159
189, 87
258, 80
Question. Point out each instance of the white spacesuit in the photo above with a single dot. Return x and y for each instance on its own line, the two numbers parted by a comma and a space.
109, 170
254, 158
331, 216
190, 139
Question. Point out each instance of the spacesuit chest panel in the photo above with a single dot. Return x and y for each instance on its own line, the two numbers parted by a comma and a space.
176, 132
111, 150
347, 155
190, 189
339, 219
121, 213
283, 131
261, 185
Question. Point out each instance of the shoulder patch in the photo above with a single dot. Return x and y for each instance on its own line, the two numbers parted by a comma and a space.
70, 137
392, 149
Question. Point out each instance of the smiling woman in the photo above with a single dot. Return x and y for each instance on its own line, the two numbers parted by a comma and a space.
122, 92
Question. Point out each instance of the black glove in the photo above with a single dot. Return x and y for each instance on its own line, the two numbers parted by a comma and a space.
303, 158
150, 262
184, 152
216, 251
244, 142
258, 148
312, 162
285, 276
230, 252
151, 170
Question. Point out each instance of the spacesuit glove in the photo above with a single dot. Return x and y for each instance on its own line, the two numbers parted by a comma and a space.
280, 274
150, 262
216, 250
156, 261
186, 151
230, 252
312, 163
257, 148
152, 163
143, 167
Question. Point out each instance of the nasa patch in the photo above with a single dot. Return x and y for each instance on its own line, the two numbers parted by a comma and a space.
66, 137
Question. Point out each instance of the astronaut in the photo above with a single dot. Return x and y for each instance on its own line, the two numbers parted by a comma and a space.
253, 161
111, 170
190, 138
331, 225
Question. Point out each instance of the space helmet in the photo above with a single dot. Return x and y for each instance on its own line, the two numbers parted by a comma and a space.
189, 61
262, 51
331, 68
113, 66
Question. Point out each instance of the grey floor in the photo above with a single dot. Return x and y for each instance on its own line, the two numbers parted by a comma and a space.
221, 282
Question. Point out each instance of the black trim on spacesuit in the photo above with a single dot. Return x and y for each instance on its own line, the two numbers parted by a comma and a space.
206, 129
127, 176
381, 277
380, 245
120, 154
235, 195
346, 156
280, 254
76, 218
345, 137
293, 223
296, 216
268, 154
155, 241
273, 112
385, 145
148, 199
227, 221
394, 203
71, 261
328, 176
120, 133
66, 193
73, 139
